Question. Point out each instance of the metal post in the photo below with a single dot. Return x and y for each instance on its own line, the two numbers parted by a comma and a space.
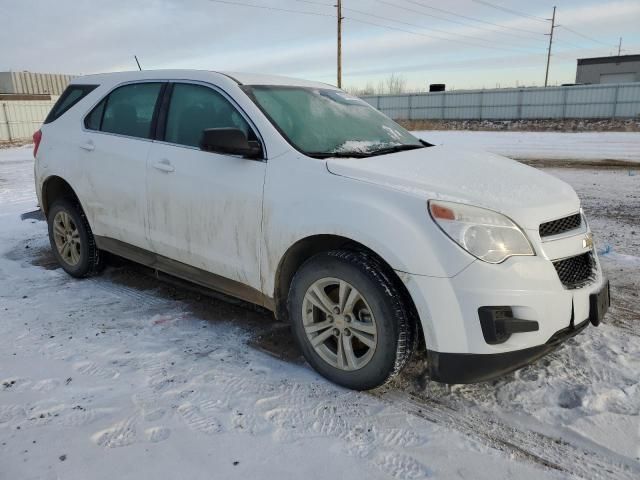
615, 101
519, 107
340, 18
553, 26
6, 117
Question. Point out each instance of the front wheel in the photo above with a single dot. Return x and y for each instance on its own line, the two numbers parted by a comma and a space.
350, 319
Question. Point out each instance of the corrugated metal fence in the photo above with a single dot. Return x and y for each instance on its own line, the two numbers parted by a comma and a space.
20, 118
33, 83
584, 101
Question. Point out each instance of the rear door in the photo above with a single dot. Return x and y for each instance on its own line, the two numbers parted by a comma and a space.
115, 143
205, 209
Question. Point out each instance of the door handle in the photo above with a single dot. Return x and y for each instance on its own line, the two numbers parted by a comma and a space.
88, 146
164, 166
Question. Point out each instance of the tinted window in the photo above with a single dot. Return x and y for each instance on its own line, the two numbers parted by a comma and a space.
194, 108
72, 95
127, 110
94, 119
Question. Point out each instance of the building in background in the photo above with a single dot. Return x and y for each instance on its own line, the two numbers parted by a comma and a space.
25, 100
618, 69
28, 83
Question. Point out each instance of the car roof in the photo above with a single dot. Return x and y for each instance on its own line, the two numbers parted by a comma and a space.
199, 75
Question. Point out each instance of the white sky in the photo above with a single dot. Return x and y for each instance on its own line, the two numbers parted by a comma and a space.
88, 36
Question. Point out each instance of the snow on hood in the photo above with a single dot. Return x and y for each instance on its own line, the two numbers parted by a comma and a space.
526, 194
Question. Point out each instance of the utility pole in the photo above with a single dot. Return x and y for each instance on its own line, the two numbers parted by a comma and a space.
620, 46
553, 26
340, 18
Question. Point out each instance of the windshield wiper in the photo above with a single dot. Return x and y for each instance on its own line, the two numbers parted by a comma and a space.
394, 149
360, 154
337, 154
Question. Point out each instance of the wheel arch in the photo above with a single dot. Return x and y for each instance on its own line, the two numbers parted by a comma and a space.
305, 248
53, 188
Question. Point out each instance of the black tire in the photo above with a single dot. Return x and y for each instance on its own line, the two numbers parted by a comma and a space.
395, 325
90, 258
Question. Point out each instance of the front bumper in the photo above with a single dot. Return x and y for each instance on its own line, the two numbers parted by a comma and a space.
448, 310
473, 368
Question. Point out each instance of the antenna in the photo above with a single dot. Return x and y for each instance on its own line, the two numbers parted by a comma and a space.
139, 67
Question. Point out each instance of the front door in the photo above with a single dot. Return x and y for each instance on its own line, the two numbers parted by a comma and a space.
205, 209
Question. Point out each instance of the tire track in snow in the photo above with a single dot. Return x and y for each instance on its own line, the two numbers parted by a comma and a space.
141, 299
529, 445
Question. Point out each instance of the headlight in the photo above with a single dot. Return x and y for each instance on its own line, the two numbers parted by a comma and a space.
485, 234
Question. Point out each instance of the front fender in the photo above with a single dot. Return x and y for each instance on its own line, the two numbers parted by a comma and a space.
303, 199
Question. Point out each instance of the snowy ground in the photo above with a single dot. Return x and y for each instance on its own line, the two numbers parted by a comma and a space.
122, 376
588, 146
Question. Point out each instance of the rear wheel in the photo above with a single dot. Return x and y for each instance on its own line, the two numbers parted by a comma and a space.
71, 239
350, 319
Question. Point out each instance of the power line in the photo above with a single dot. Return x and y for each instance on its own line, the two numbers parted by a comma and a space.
448, 12
408, 9
389, 27
584, 36
277, 9
508, 10
426, 29
311, 2
526, 15
562, 41
304, 12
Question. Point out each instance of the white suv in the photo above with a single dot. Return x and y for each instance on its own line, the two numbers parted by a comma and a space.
301, 198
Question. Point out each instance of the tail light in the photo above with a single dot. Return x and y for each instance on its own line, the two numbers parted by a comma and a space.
37, 137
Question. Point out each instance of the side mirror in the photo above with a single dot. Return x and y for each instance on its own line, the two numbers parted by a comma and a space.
232, 141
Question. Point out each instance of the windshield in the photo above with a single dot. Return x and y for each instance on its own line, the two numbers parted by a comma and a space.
325, 123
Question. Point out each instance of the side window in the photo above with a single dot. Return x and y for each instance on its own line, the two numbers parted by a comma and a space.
127, 110
72, 95
94, 119
194, 108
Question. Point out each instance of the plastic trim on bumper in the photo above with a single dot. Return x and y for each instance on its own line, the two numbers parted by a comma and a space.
474, 367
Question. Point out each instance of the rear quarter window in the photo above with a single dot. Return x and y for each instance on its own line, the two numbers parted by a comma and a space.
72, 95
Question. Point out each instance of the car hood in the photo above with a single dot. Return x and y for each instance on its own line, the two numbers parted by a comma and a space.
525, 194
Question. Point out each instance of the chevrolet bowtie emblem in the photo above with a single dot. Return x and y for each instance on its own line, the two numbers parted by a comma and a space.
587, 241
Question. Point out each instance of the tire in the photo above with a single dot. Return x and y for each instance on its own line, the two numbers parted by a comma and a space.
67, 222
378, 304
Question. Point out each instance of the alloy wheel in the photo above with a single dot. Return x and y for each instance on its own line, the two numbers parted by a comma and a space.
67, 238
339, 324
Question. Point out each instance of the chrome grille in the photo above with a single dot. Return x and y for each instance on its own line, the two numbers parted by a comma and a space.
576, 272
561, 225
